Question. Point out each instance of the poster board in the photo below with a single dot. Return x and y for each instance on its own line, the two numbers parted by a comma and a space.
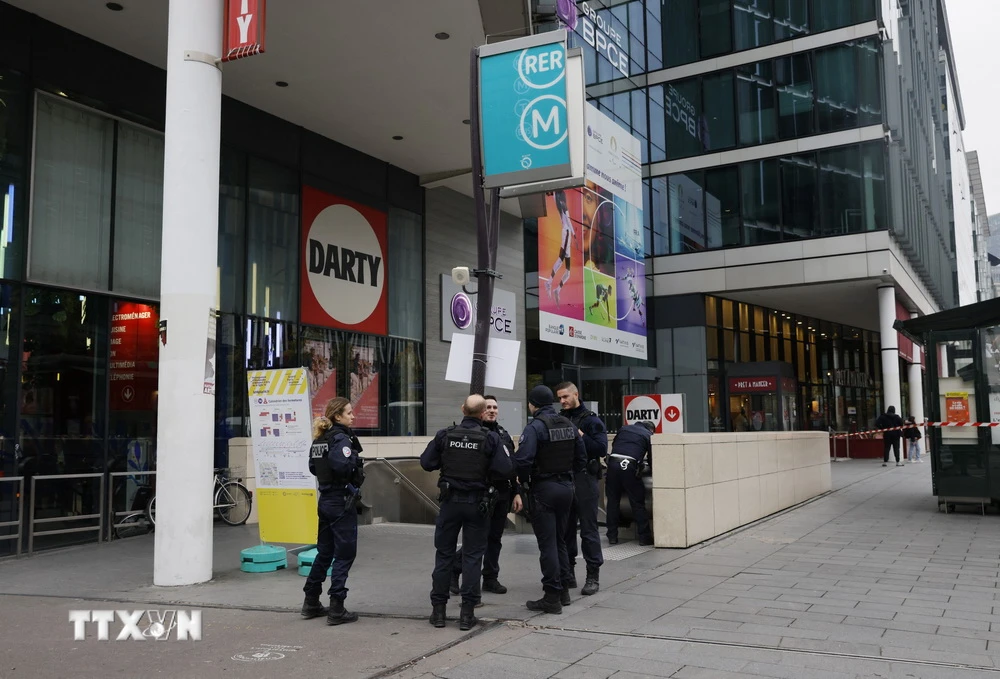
281, 431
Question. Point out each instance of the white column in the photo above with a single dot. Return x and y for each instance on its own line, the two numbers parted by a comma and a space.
891, 393
183, 547
915, 379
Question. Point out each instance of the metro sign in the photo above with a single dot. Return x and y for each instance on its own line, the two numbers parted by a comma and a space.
665, 411
243, 30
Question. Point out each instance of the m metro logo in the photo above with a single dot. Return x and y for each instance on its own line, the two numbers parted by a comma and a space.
665, 411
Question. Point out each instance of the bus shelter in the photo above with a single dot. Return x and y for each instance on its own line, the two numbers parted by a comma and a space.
962, 349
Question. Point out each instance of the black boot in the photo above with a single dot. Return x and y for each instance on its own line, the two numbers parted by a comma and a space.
564, 597
547, 604
571, 580
338, 615
437, 615
312, 608
494, 586
453, 588
592, 584
466, 618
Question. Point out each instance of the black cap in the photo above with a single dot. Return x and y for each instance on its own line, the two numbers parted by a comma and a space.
541, 396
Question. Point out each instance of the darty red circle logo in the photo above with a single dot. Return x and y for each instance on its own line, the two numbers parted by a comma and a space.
344, 282
672, 413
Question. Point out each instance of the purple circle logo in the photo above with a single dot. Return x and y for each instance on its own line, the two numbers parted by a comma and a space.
461, 311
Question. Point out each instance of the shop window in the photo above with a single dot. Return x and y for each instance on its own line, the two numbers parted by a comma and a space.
756, 101
365, 365
272, 276
405, 384
752, 23
687, 212
840, 191
711, 311
230, 385
722, 206
793, 80
406, 300
9, 385
72, 186
270, 344
798, 196
761, 204
232, 231
727, 314
138, 225
14, 155
680, 31
133, 365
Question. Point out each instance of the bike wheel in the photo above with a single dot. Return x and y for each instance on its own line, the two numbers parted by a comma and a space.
233, 502
151, 511
132, 525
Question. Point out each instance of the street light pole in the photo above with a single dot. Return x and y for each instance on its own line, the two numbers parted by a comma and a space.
487, 236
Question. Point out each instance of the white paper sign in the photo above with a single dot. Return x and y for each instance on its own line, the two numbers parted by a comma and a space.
281, 427
501, 364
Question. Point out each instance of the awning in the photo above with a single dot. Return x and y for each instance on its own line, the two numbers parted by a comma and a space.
978, 315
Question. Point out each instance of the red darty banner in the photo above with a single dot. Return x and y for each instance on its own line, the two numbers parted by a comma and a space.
134, 356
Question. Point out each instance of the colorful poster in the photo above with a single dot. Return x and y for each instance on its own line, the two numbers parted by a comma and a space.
281, 431
591, 250
957, 406
363, 374
321, 370
134, 357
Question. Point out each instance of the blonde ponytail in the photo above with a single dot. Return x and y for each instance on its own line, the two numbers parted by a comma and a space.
320, 425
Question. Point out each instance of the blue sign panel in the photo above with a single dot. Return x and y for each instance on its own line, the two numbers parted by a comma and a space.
523, 113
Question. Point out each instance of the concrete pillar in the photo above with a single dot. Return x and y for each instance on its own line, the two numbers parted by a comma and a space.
183, 546
889, 338
916, 383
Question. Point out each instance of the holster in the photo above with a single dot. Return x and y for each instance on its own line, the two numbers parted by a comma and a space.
594, 468
445, 489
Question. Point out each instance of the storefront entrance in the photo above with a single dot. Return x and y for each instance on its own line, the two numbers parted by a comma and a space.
762, 396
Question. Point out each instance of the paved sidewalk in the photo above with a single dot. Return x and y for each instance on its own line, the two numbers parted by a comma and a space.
870, 580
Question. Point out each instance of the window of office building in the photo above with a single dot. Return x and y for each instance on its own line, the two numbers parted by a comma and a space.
719, 111
830, 14
14, 156
755, 101
794, 86
842, 208
406, 300
753, 23
722, 207
687, 212
685, 125
715, 31
232, 230
836, 88
798, 196
761, 202
679, 20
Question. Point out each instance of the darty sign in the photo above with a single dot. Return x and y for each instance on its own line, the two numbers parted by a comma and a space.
665, 411
243, 30
344, 264
596, 32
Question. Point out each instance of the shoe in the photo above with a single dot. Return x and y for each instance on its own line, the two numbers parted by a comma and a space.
612, 541
548, 287
555, 296
479, 604
494, 586
564, 598
885, 464
466, 619
591, 585
570, 581
453, 588
899, 464
312, 608
338, 615
437, 615
547, 604
646, 542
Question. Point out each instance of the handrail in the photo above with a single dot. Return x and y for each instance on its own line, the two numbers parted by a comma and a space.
112, 514
20, 512
434, 506
31, 511
847, 445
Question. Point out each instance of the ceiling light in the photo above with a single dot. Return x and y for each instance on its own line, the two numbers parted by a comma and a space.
398, 138
281, 83
62, 94
466, 122
442, 35
114, 6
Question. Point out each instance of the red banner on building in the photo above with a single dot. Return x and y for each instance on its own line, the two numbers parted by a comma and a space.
243, 30
133, 364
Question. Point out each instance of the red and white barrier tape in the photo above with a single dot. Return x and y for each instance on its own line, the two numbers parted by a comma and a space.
916, 426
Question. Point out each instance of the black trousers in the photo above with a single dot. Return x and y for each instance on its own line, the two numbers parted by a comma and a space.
494, 537
459, 515
888, 443
337, 542
624, 479
552, 502
583, 512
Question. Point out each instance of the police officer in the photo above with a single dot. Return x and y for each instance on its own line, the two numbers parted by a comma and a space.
508, 499
595, 439
632, 446
549, 453
468, 455
334, 460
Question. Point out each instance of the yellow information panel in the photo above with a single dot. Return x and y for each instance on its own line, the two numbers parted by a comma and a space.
282, 435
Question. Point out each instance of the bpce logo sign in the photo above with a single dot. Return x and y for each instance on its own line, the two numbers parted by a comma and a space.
346, 271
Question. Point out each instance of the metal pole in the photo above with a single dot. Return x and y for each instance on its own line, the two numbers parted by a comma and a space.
20, 514
31, 519
487, 235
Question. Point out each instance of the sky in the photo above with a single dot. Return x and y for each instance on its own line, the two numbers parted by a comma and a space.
975, 34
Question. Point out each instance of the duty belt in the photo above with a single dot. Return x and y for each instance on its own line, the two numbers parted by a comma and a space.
625, 459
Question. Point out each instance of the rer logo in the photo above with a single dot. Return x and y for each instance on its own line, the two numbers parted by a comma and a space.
543, 119
140, 625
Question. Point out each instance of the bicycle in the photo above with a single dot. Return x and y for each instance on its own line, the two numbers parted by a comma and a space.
232, 502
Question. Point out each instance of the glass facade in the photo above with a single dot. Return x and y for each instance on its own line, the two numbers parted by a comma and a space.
692, 30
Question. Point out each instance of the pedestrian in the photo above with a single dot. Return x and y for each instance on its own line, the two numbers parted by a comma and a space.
508, 499
890, 439
335, 461
632, 446
912, 436
549, 453
584, 510
468, 455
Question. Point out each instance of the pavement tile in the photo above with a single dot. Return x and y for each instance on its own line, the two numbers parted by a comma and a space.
831, 646
583, 672
977, 659
933, 642
496, 666
631, 665
692, 672
751, 618
544, 646
735, 637
786, 672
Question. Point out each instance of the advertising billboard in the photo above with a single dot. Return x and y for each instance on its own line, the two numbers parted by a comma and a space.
665, 411
591, 270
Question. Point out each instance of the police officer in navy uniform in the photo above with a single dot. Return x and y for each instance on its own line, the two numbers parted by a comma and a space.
632, 447
549, 453
508, 499
468, 455
334, 460
595, 439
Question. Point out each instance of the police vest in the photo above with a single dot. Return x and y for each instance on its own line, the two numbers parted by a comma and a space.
465, 456
319, 463
555, 456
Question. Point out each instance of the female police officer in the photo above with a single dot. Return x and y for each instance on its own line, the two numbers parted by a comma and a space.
334, 461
